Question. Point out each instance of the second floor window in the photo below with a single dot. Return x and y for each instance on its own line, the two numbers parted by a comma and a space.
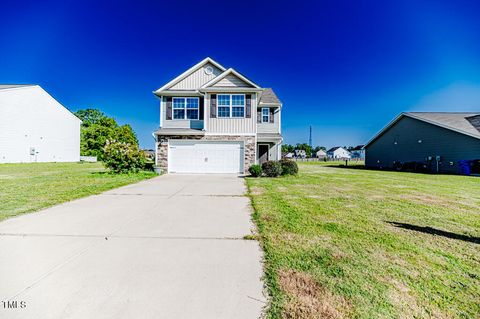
185, 108
231, 105
265, 115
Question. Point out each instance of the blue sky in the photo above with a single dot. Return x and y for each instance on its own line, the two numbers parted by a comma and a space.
344, 67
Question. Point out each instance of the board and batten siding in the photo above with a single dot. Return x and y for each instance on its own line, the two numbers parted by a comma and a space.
450, 145
231, 125
231, 81
197, 79
32, 120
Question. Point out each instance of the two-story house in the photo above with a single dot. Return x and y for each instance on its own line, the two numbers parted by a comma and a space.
216, 120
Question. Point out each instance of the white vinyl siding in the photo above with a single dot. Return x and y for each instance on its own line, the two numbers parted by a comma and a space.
231, 81
231, 125
195, 124
270, 127
197, 79
34, 127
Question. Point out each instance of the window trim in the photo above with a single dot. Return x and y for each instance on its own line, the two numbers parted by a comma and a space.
268, 115
231, 106
185, 108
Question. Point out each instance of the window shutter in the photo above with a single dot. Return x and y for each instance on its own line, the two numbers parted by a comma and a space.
271, 115
213, 106
200, 109
248, 105
259, 115
169, 107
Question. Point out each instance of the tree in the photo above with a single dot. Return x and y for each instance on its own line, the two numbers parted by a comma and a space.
97, 129
90, 116
287, 148
305, 147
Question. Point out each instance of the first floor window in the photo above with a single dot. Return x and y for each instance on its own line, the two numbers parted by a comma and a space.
231, 105
265, 115
185, 108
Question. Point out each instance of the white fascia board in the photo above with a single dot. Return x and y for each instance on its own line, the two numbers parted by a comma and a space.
228, 72
230, 90
190, 71
178, 93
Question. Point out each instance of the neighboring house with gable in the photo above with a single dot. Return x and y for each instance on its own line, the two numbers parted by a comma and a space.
34, 127
216, 120
338, 153
358, 152
440, 141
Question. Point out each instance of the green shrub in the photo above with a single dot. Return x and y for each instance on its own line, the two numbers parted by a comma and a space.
272, 168
255, 170
289, 167
123, 157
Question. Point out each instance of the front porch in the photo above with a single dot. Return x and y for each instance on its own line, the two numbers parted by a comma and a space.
269, 147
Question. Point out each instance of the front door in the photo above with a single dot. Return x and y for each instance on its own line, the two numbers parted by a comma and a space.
262, 153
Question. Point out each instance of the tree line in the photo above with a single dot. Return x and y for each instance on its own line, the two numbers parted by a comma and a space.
287, 148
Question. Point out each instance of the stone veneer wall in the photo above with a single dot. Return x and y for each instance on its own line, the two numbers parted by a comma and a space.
249, 150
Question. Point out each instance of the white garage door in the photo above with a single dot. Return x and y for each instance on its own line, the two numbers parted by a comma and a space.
191, 156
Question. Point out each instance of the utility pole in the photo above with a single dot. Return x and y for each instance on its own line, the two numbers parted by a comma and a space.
310, 139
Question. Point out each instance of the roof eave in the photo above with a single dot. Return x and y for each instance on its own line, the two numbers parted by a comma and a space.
190, 71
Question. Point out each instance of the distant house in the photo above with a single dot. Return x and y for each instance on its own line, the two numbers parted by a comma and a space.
288, 155
438, 141
300, 153
358, 152
321, 154
34, 127
338, 153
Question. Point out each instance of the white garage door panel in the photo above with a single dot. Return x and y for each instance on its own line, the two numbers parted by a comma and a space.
190, 156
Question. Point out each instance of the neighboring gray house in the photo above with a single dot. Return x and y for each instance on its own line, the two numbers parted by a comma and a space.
358, 152
338, 153
215, 120
437, 140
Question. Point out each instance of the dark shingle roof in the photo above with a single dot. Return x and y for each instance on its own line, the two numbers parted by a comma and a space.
269, 97
467, 123
454, 121
13, 86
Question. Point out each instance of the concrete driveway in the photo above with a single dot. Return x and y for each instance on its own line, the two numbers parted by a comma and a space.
170, 247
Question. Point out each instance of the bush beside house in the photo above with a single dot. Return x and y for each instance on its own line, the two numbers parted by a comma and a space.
121, 157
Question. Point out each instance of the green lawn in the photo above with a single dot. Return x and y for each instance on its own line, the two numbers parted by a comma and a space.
355, 243
29, 187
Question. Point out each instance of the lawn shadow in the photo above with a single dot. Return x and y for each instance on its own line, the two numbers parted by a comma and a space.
438, 232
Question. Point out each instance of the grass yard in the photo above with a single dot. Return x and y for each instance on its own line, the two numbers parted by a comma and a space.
355, 243
29, 187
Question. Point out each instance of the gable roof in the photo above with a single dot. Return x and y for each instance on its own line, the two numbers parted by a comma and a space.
333, 149
190, 71
357, 148
13, 86
226, 73
466, 123
269, 97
